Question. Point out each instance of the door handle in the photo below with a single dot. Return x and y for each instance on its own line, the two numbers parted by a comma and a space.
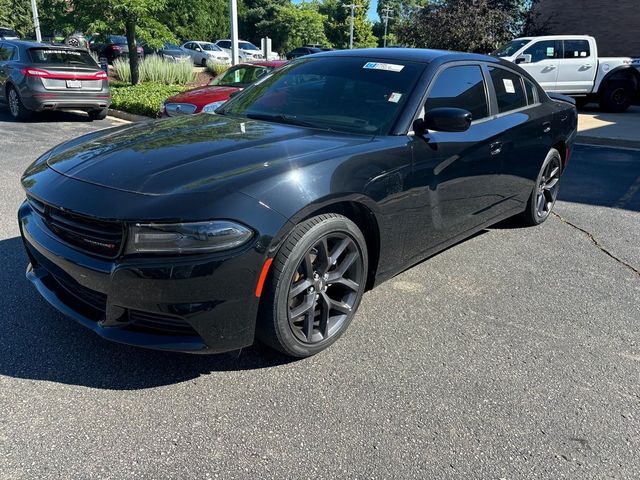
496, 148
546, 127
586, 65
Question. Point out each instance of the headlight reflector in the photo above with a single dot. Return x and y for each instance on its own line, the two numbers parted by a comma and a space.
212, 107
199, 237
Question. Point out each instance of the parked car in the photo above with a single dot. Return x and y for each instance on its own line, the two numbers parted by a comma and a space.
570, 64
37, 76
219, 90
271, 218
112, 47
169, 51
247, 51
302, 51
7, 33
202, 52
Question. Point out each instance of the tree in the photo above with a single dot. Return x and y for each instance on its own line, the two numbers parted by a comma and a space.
135, 17
466, 25
338, 22
17, 14
256, 19
196, 20
296, 25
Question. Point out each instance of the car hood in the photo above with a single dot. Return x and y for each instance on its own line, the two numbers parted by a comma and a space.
203, 95
194, 153
175, 53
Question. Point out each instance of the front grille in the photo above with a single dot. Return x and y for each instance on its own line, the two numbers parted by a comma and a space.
97, 237
159, 324
90, 297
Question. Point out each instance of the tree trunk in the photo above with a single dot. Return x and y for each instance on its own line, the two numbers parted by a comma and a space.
130, 26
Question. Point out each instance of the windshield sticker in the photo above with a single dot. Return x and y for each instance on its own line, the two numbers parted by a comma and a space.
508, 86
395, 97
389, 67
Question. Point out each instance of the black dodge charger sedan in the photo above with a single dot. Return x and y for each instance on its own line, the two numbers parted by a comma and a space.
270, 218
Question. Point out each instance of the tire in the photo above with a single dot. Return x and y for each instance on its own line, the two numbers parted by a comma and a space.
582, 102
98, 114
295, 334
73, 41
16, 108
616, 96
203, 62
547, 184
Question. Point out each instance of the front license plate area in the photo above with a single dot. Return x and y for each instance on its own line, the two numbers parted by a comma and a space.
74, 84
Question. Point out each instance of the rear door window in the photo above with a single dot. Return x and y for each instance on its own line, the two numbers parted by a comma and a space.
509, 90
460, 87
51, 56
530, 89
576, 49
544, 50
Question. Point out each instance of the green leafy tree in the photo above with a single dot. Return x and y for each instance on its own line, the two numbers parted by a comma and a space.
465, 25
138, 18
17, 14
338, 24
296, 25
256, 19
196, 20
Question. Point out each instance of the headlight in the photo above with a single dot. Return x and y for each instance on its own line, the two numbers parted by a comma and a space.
201, 237
212, 107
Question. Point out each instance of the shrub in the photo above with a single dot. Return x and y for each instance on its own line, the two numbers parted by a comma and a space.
216, 68
142, 99
154, 68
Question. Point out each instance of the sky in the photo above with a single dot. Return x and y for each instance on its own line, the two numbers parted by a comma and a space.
373, 15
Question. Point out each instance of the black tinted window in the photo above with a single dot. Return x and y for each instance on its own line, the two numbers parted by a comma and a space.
509, 91
7, 32
529, 89
576, 48
7, 52
460, 87
543, 50
52, 56
346, 94
224, 44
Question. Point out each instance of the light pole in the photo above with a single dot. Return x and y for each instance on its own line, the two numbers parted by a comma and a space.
36, 20
387, 15
353, 7
233, 14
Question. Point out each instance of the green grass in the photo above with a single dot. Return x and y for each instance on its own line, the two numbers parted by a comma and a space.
216, 68
153, 68
142, 99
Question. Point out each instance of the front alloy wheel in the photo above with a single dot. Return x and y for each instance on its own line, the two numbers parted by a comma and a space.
316, 282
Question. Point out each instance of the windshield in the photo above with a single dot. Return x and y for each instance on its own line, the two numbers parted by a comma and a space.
8, 33
61, 57
118, 39
510, 48
171, 46
240, 76
247, 46
210, 47
347, 94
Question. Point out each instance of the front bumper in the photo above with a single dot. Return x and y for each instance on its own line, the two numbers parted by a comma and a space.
197, 304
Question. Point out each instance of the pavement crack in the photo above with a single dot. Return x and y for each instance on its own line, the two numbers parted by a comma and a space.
595, 241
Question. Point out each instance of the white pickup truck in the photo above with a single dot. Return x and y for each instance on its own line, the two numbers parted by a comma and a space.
569, 64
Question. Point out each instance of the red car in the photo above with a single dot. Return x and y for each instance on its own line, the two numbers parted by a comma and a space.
219, 89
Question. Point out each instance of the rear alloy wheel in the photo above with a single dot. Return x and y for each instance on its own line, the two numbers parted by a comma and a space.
544, 195
16, 107
617, 96
317, 281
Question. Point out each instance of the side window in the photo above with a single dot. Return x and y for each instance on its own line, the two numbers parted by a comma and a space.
4, 53
460, 87
529, 89
224, 44
188, 46
509, 91
543, 50
576, 49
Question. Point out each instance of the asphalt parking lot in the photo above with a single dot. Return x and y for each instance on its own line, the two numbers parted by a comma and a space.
514, 354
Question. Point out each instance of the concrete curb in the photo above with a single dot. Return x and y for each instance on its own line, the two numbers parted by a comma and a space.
130, 117
608, 142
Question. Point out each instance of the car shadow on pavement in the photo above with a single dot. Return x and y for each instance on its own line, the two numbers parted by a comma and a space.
38, 343
48, 117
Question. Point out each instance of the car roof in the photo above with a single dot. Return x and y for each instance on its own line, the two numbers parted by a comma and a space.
421, 55
266, 63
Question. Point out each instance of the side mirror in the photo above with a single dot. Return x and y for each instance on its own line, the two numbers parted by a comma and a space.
524, 58
198, 49
446, 120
